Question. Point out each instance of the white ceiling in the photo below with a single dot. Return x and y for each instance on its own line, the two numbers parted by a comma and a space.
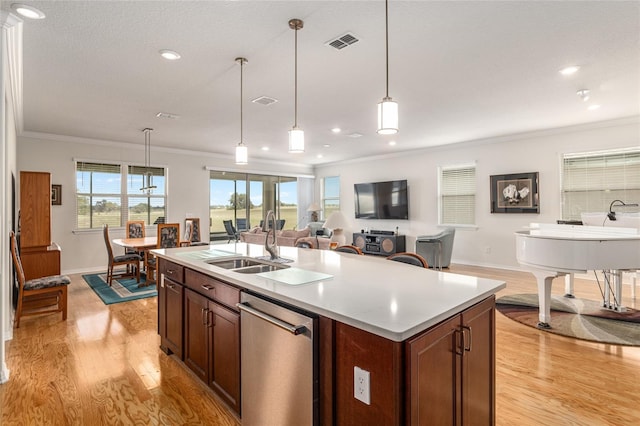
459, 70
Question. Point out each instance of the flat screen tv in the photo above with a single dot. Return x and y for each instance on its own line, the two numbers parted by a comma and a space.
382, 200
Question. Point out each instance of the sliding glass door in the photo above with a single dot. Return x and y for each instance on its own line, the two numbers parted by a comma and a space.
245, 198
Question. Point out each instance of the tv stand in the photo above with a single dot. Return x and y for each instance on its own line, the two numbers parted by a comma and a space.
382, 243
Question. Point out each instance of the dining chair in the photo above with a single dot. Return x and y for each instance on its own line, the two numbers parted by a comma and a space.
348, 248
409, 258
42, 295
305, 244
232, 234
242, 224
135, 229
128, 259
192, 232
168, 236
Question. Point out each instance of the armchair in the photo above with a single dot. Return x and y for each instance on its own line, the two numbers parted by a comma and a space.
232, 234
436, 248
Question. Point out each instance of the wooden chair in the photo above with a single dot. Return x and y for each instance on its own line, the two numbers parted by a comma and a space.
349, 249
168, 235
409, 258
305, 244
40, 295
128, 259
192, 232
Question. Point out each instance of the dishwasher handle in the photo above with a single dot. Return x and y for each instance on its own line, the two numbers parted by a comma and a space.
293, 329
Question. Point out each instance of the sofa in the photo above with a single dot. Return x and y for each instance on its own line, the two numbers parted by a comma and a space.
287, 237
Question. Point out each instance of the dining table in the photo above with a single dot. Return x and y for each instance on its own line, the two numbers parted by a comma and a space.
138, 244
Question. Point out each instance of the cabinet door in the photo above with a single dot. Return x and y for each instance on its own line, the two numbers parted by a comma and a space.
433, 376
225, 355
196, 334
171, 306
478, 364
35, 209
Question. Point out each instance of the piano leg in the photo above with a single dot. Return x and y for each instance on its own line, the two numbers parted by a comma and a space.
613, 284
544, 296
568, 286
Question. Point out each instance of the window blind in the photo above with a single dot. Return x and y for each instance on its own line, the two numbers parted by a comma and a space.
591, 181
457, 195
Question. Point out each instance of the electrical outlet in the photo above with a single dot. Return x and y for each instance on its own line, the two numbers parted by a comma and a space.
361, 385
487, 250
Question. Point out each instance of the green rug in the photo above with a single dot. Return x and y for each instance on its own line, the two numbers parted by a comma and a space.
121, 290
578, 318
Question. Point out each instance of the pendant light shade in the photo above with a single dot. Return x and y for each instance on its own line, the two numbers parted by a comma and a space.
147, 178
296, 134
387, 108
242, 152
387, 117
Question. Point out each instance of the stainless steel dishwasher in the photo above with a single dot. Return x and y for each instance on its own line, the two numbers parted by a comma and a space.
279, 367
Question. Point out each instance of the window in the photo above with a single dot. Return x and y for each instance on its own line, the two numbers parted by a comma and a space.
110, 194
330, 195
592, 180
245, 199
457, 195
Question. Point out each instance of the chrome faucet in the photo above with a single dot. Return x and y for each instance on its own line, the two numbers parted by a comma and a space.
270, 227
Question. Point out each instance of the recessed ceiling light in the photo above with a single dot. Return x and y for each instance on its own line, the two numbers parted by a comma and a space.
265, 148
392, 143
167, 115
28, 11
326, 145
336, 130
319, 156
593, 107
355, 135
569, 70
170, 54
583, 94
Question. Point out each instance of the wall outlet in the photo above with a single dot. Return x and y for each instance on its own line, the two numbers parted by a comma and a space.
188, 215
361, 385
487, 250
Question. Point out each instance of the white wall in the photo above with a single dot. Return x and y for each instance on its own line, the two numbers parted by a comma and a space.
188, 187
492, 243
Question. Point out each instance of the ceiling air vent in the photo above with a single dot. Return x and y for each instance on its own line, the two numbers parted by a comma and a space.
264, 100
343, 41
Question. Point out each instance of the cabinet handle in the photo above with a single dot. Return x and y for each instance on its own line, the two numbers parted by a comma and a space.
464, 341
205, 319
212, 321
459, 341
208, 287
170, 271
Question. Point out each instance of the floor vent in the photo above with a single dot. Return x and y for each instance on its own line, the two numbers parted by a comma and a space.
343, 41
264, 100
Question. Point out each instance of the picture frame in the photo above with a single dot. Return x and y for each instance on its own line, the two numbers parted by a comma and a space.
515, 193
56, 195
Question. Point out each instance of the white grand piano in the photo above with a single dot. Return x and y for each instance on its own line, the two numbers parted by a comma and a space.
550, 251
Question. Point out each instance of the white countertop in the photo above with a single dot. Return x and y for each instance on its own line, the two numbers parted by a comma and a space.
386, 298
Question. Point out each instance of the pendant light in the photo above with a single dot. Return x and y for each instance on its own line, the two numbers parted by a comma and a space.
387, 109
147, 177
242, 152
296, 135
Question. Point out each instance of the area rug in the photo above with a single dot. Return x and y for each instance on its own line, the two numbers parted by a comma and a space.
578, 318
121, 290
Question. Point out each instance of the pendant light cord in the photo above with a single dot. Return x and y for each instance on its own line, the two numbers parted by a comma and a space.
295, 115
386, 35
241, 67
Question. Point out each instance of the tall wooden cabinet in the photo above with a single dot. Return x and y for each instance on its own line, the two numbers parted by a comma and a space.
40, 257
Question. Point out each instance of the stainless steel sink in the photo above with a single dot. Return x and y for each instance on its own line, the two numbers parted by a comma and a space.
259, 268
246, 265
239, 262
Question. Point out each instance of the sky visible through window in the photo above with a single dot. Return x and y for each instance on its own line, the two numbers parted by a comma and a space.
221, 191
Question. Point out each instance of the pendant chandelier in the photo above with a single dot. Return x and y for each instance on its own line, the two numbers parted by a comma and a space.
242, 152
387, 109
147, 177
296, 134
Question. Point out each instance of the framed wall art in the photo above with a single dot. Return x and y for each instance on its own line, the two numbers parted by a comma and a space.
56, 195
515, 193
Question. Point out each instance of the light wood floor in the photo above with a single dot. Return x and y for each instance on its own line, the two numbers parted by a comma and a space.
103, 366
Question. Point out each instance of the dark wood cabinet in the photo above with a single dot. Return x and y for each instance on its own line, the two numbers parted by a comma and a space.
451, 370
212, 335
40, 257
442, 376
170, 308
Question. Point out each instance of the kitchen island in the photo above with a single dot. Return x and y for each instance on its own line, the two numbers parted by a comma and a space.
427, 338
